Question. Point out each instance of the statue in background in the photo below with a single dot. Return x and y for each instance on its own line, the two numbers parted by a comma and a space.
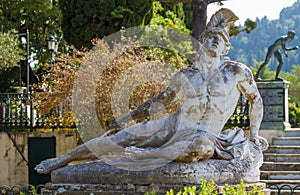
209, 92
274, 49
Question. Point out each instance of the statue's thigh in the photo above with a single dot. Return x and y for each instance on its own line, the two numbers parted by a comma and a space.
147, 134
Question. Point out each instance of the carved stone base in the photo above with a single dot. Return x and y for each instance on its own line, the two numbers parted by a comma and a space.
221, 171
100, 177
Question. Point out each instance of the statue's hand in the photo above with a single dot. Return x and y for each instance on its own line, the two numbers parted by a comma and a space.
115, 125
296, 47
260, 141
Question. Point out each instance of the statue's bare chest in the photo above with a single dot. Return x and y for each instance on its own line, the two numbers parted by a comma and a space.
196, 83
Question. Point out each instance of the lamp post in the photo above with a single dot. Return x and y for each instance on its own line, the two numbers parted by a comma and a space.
52, 46
25, 44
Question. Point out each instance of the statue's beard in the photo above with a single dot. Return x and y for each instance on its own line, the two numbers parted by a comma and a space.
212, 53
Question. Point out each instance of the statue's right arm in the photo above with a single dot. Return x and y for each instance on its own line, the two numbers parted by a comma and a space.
249, 89
142, 111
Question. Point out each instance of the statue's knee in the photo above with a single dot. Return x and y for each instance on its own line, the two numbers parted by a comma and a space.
206, 151
201, 148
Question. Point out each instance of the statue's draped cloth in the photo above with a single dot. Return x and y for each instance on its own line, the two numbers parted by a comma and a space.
228, 145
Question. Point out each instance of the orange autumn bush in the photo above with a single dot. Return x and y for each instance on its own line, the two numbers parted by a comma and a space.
55, 90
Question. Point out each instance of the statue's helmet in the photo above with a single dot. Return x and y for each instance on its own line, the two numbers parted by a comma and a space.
220, 23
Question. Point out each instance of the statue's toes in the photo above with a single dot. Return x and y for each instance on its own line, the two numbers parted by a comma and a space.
41, 168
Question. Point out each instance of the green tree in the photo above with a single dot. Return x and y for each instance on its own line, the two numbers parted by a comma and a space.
169, 14
164, 16
60, 78
294, 87
294, 95
11, 52
96, 19
41, 18
249, 26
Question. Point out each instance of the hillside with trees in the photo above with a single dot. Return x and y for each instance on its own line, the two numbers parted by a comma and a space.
251, 48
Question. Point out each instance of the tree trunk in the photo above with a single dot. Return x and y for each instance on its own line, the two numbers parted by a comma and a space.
199, 8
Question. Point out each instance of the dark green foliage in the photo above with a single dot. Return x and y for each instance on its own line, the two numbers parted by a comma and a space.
251, 48
294, 87
177, 8
11, 52
84, 20
294, 114
41, 17
187, 7
249, 26
11, 79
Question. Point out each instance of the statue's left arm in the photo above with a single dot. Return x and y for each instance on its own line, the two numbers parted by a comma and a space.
285, 49
292, 48
142, 111
248, 87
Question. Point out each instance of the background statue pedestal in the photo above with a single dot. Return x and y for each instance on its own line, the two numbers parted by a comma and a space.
275, 100
99, 177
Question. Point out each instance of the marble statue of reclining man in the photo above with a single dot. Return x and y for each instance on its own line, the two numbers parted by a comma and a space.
209, 91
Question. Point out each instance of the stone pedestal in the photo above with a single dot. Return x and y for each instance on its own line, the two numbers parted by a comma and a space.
100, 178
275, 100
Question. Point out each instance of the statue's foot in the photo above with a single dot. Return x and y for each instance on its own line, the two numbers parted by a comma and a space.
46, 166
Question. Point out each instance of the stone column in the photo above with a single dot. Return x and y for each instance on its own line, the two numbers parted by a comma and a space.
275, 100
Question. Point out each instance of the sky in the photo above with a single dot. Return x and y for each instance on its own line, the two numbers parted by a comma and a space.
253, 9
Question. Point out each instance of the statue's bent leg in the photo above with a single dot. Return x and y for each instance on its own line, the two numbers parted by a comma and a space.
147, 134
143, 134
267, 59
195, 148
280, 62
261, 68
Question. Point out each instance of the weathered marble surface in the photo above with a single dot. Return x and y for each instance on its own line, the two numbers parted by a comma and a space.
221, 171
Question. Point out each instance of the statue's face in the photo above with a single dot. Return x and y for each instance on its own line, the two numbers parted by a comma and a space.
291, 35
215, 44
